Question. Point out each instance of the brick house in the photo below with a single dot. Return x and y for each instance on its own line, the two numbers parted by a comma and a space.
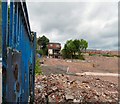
54, 50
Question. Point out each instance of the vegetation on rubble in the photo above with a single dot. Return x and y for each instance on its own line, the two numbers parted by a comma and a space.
74, 48
38, 69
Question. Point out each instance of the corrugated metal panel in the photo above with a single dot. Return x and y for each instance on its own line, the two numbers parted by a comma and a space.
19, 45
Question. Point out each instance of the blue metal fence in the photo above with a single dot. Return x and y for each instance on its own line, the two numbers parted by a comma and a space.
18, 54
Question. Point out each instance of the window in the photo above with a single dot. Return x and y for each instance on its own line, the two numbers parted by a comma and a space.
51, 45
57, 46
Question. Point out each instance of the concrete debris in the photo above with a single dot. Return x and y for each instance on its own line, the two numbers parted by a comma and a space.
59, 88
69, 97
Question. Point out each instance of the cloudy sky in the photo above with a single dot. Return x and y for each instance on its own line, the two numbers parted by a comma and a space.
96, 22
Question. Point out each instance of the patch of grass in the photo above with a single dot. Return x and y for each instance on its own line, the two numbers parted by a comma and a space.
92, 55
107, 55
38, 69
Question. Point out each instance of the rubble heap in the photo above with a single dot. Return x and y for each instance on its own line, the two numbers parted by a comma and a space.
59, 88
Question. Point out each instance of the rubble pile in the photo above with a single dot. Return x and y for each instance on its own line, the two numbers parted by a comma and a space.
59, 88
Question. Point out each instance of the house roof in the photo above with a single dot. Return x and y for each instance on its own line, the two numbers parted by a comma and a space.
54, 43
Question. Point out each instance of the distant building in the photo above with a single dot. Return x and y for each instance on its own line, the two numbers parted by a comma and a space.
90, 51
54, 50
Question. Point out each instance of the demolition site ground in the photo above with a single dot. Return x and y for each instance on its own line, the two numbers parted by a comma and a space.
94, 79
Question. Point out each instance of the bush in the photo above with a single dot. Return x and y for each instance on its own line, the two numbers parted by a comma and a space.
38, 70
81, 57
39, 52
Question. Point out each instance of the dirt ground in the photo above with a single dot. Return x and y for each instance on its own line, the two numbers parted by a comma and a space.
97, 64
91, 63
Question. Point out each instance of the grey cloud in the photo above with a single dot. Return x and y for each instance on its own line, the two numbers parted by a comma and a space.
95, 22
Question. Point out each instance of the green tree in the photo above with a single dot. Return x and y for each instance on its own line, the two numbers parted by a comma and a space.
70, 48
65, 52
83, 45
74, 48
43, 42
77, 44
